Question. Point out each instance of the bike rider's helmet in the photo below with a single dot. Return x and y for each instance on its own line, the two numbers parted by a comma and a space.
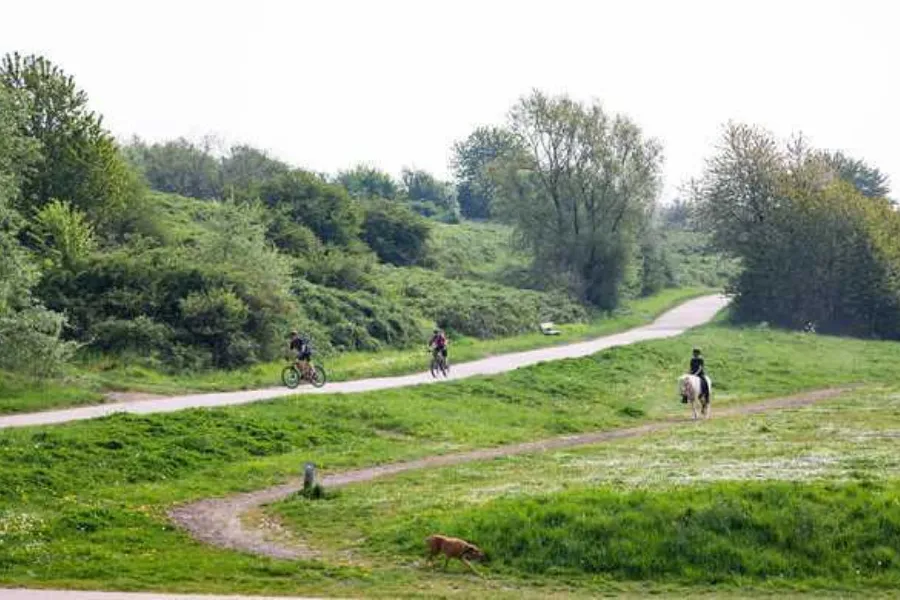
437, 331
294, 333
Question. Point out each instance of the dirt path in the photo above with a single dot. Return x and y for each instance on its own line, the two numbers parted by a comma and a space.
219, 522
674, 322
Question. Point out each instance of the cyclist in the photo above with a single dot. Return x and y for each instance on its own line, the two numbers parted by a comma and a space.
300, 345
438, 343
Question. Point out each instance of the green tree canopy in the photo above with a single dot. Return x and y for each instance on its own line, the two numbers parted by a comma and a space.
325, 208
79, 162
471, 161
812, 247
363, 181
579, 193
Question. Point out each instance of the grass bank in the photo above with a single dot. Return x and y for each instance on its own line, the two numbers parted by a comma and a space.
83, 505
86, 384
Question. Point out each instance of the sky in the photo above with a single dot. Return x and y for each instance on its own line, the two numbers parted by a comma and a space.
327, 85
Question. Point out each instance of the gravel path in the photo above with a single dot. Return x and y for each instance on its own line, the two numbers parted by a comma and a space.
674, 322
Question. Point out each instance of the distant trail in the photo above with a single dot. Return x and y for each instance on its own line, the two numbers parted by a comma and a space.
674, 322
218, 521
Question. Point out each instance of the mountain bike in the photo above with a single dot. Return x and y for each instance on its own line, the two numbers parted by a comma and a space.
298, 372
439, 364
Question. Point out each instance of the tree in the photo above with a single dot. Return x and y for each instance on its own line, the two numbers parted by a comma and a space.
79, 161
178, 166
471, 161
422, 189
323, 207
579, 193
368, 182
812, 247
29, 333
396, 234
869, 181
245, 169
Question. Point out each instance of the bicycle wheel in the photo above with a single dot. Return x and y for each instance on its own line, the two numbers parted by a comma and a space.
445, 366
290, 376
435, 367
318, 376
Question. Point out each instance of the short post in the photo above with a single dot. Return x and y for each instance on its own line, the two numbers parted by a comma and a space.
309, 476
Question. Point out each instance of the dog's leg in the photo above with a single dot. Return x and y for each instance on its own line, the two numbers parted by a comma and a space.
471, 568
446, 561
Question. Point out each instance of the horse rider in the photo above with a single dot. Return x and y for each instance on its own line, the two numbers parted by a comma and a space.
698, 370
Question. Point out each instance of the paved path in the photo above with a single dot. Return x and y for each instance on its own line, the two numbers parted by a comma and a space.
674, 322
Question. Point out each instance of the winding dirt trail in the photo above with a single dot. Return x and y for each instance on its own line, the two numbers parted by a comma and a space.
674, 322
218, 521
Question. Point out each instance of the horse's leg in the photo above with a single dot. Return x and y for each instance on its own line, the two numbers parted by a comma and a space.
694, 406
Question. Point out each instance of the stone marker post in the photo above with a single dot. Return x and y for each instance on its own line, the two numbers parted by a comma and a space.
309, 476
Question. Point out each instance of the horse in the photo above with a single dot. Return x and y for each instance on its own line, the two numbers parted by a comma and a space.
689, 387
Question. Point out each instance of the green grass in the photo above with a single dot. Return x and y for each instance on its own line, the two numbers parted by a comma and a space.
701, 534
91, 378
83, 505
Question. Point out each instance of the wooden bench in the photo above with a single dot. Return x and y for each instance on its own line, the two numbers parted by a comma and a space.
549, 329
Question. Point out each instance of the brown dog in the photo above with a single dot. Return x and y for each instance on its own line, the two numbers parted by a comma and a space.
453, 548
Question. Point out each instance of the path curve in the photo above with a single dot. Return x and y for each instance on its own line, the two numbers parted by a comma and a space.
218, 521
671, 323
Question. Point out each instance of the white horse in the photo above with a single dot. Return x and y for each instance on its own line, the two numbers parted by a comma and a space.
689, 387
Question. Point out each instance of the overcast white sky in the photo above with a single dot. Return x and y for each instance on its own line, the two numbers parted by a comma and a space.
328, 84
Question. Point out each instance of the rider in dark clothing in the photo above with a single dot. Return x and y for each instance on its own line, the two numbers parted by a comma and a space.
697, 369
439, 342
300, 345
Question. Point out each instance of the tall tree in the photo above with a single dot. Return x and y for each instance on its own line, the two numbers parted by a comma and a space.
29, 334
471, 162
812, 247
79, 161
580, 192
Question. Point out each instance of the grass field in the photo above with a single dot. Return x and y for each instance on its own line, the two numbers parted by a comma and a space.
803, 499
83, 505
86, 384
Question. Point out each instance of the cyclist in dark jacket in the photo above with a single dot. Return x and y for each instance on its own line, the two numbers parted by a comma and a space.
300, 345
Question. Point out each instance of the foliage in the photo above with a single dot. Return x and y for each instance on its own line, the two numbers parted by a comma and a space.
63, 234
478, 309
580, 192
79, 161
868, 180
178, 166
29, 334
472, 159
812, 248
325, 208
429, 196
396, 234
364, 181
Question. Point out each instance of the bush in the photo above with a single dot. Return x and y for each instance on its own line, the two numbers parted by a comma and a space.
142, 336
396, 234
29, 342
